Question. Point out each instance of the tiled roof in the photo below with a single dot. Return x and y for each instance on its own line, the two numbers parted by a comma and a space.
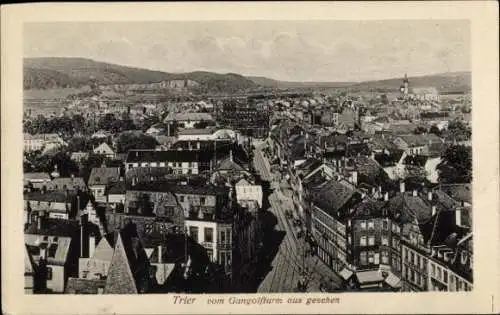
36, 176
204, 131
367, 167
117, 188
332, 196
229, 165
104, 147
84, 286
104, 175
369, 208
52, 196
103, 251
146, 173
407, 207
421, 139
63, 183
168, 156
460, 192
188, 116
164, 186
120, 278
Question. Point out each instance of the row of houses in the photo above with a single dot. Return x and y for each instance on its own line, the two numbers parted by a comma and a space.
369, 220
180, 227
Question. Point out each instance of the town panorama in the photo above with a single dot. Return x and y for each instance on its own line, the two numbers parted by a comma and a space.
139, 181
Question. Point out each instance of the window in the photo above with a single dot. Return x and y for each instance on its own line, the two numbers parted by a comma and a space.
411, 257
385, 225
376, 258
371, 257
385, 240
362, 258
202, 200
222, 237
385, 257
49, 273
210, 254
181, 198
433, 270
193, 232
371, 240
439, 273
445, 276
209, 235
363, 225
371, 224
362, 241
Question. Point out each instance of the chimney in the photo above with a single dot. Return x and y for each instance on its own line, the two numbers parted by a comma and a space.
415, 193
402, 186
160, 255
458, 217
386, 196
429, 196
434, 210
91, 245
43, 252
39, 222
354, 178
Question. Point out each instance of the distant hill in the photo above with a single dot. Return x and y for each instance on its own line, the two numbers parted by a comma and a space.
46, 73
443, 82
43, 73
266, 82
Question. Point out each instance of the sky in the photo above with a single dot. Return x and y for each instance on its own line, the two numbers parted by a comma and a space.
334, 51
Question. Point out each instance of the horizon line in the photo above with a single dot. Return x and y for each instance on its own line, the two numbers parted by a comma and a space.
246, 75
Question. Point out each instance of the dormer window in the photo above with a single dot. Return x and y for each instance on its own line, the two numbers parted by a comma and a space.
463, 257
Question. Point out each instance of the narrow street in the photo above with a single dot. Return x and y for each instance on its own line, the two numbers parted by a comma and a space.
291, 262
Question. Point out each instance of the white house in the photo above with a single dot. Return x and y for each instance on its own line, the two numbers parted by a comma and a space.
248, 191
105, 149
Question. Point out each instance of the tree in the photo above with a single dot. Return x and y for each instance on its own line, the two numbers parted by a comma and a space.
129, 141
456, 165
435, 130
419, 130
457, 130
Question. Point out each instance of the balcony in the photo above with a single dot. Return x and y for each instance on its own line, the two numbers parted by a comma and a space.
224, 246
208, 245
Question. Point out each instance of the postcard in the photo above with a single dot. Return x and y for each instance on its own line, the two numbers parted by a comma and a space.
301, 157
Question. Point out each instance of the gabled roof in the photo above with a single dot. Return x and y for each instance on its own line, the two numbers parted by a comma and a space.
406, 208
103, 251
104, 175
104, 147
332, 196
29, 264
120, 278
229, 165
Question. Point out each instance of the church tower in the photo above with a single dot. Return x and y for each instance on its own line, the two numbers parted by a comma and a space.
404, 87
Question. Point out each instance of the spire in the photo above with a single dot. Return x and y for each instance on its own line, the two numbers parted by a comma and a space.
120, 278
406, 78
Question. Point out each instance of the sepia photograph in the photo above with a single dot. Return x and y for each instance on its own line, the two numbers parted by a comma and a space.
255, 162
247, 157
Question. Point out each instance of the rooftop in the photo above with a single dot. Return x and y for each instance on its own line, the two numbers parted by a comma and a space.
104, 175
168, 156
